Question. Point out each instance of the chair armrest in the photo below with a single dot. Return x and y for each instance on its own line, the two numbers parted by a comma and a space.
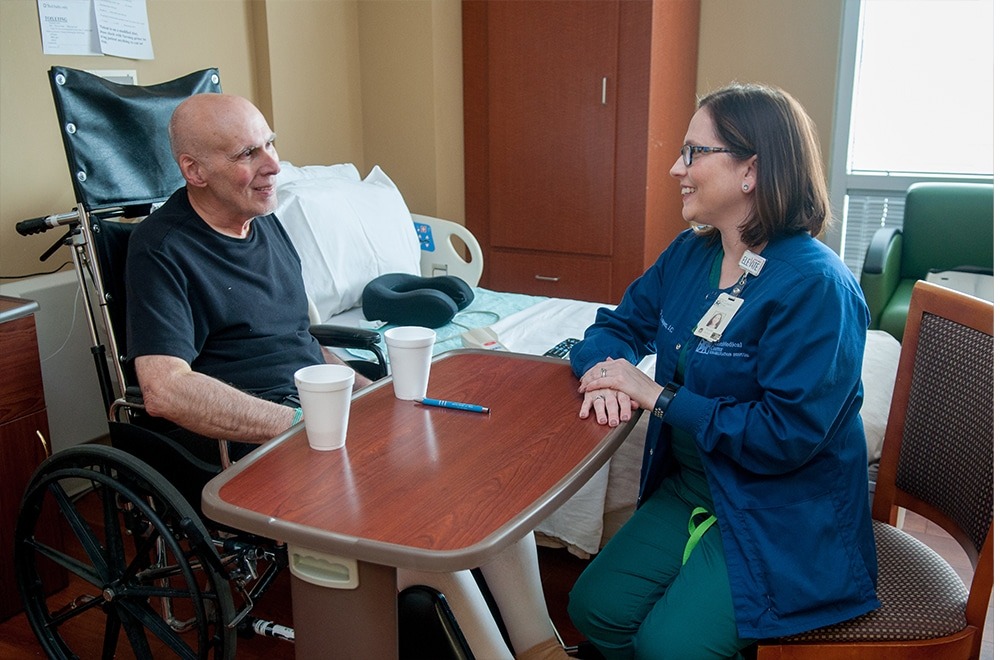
133, 396
880, 274
877, 256
128, 404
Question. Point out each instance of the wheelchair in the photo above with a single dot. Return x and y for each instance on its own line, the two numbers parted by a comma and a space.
155, 577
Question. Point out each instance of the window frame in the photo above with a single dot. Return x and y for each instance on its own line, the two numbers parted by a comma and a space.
842, 182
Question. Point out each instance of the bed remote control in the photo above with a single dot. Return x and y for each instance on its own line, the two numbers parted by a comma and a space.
561, 350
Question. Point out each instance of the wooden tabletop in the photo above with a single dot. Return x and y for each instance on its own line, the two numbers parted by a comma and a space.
426, 488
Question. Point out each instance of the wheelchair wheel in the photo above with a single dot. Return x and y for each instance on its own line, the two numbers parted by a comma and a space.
145, 579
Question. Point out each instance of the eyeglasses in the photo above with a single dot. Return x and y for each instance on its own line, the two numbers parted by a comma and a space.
689, 150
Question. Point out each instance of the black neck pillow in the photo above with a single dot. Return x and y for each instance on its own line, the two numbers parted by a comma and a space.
404, 299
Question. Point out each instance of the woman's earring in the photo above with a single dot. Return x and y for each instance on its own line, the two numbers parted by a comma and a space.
746, 187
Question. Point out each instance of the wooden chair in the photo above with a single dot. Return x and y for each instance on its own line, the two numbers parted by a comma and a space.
937, 461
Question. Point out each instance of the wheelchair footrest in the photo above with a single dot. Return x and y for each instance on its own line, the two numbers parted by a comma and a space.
251, 626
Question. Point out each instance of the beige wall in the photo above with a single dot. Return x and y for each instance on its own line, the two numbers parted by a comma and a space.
369, 82
311, 82
363, 81
793, 44
34, 178
411, 56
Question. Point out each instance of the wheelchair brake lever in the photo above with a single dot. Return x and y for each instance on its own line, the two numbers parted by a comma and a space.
63, 240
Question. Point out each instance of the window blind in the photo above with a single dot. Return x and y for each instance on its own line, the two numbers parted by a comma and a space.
867, 212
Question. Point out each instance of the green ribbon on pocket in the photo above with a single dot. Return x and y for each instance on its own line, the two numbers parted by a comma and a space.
696, 531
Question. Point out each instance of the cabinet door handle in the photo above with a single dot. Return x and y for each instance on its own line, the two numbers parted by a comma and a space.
604, 90
546, 278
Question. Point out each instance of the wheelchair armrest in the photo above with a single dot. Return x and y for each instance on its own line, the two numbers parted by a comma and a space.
355, 338
130, 403
344, 337
133, 395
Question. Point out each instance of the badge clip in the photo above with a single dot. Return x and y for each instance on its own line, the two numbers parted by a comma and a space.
752, 263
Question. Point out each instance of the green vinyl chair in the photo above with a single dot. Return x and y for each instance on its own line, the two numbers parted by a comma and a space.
946, 227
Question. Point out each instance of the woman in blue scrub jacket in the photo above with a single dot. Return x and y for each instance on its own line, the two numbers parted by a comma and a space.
753, 518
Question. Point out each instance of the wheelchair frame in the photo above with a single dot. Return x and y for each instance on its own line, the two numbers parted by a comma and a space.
136, 501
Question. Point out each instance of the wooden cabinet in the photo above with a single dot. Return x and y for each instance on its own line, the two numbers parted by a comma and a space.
22, 418
574, 113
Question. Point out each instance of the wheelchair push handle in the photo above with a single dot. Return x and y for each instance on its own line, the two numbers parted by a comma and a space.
45, 223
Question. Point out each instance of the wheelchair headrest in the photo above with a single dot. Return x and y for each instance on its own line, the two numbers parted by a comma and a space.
404, 299
115, 135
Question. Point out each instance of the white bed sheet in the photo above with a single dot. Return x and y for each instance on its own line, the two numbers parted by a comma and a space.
532, 325
578, 524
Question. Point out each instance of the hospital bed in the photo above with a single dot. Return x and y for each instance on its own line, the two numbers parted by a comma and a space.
349, 230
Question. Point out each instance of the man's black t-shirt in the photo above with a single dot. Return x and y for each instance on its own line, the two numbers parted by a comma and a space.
234, 309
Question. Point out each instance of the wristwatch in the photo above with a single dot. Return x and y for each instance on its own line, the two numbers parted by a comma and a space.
666, 396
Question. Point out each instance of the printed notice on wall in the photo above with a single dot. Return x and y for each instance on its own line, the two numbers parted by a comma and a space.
95, 27
69, 27
124, 28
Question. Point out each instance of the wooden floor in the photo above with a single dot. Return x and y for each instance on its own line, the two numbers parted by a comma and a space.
559, 571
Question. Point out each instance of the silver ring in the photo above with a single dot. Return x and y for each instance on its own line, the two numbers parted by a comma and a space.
604, 372
599, 396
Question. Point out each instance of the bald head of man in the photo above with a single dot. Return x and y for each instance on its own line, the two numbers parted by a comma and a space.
225, 150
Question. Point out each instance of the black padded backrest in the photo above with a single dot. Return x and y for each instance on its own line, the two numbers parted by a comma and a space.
115, 135
111, 245
946, 458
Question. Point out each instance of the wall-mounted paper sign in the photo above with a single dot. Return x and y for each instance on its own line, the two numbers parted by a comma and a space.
95, 27
69, 27
123, 26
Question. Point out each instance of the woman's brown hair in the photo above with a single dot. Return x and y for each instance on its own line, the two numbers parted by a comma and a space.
790, 193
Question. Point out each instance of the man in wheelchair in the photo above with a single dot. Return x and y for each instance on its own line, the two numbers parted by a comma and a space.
217, 320
218, 324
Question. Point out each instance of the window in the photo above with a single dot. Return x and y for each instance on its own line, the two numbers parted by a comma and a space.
914, 103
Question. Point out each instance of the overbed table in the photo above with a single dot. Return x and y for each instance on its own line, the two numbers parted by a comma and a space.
415, 487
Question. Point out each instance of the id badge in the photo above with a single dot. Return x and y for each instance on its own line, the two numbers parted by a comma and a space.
714, 322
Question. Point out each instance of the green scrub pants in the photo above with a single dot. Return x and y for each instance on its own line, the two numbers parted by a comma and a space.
637, 600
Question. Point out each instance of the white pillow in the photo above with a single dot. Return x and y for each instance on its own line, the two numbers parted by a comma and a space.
347, 233
290, 173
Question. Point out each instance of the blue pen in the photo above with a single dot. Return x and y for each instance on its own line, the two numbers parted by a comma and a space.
456, 405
